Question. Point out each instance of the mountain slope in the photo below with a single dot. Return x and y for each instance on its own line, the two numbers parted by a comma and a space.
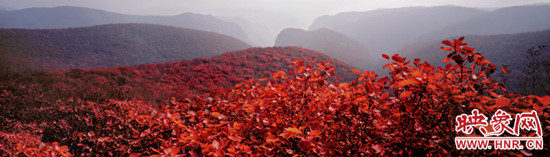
111, 45
386, 30
160, 82
329, 42
501, 21
67, 16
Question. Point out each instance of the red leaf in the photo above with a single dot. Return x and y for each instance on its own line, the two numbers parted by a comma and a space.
175, 151
135, 154
278, 74
447, 48
314, 133
502, 101
246, 149
397, 58
237, 125
290, 132
386, 57
468, 49
446, 60
405, 94
506, 71
447, 42
293, 130
416, 61
357, 71
216, 114
545, 100
407, 82
384, 96
271, 138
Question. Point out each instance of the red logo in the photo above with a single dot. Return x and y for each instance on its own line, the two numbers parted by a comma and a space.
493, 129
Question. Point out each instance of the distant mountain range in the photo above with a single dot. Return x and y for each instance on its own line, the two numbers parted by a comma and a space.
357, 38
329, 42
67, 16
386, 30
110, 46
509, 20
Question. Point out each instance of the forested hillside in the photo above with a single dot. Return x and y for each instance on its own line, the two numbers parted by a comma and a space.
69, 16
156, 83
109, 46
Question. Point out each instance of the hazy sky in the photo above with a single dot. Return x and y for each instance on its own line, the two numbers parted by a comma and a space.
276, 14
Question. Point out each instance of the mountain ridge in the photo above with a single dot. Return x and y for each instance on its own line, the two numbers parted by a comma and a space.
387, 30
527, 18
70, 16
111, 45
384, 30
156, 83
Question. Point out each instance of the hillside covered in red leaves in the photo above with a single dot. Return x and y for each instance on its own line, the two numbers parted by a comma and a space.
31, 99
156, 83
26, 93
109, 45
298, 111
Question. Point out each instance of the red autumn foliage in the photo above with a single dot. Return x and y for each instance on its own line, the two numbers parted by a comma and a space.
156, 83
298, 112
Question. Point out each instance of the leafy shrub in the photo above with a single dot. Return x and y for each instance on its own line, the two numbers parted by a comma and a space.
300, 112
